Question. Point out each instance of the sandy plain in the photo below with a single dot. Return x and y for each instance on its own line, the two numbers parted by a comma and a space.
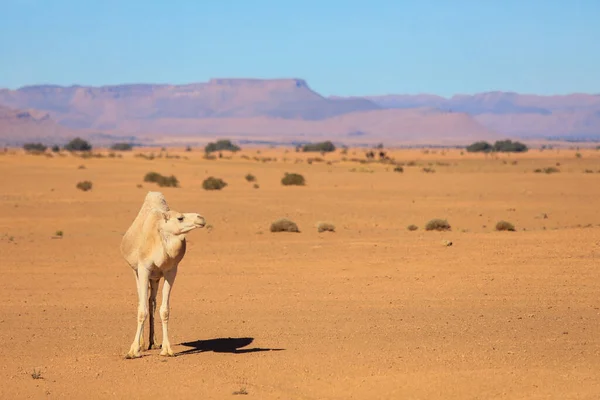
372, 311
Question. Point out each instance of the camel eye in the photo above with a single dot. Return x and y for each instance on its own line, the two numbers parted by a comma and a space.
180, 219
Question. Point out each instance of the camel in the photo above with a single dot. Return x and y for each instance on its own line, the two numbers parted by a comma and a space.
153, 246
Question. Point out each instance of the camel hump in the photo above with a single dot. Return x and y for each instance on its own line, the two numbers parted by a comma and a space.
132, 241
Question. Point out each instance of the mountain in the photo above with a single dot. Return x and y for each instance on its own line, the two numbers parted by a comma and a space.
285, 109
20, 126
513, 114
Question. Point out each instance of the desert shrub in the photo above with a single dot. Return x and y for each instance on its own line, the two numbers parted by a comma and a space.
428, 170
122, 146
212, 183
503, 146
547, 170
325, 227
223, 144
398, 168
78, 144
293, 179
578, 155
84, 185
505, 226
250, 178
55, 148
508, 146
256, 186
161, 180
589, 171
324, 147
208, 156
437, 225
478, 147
188, 148
412, 227
284, 225
35, 147
59, 233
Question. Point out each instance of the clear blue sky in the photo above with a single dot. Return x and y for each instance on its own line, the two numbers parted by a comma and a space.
340, 47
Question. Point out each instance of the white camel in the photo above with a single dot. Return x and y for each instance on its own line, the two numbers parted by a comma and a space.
153, 246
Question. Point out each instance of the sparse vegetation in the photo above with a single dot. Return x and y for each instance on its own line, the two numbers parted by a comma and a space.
547, 170
398, 168
55, 148
437, 225
428, 170
322, 147
325, 227
36, 374
250, 178
241, 391
223, 144
256, 186
84, 185
578, 155
412, 227
34, 147
59, 234
293, 179
122, 146
284, 225
212, 183
161, 180
78, 144
505, 226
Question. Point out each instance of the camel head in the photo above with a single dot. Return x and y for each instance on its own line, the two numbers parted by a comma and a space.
177, 223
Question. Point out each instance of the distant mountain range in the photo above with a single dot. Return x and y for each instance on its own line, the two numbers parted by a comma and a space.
287, 110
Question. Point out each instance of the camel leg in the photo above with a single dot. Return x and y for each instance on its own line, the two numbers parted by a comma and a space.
164, 310
151, 310
142, 281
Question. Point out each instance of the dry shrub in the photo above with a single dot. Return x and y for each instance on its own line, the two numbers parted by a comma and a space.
412, 227
161, 180
398, 168
250, 178
293, 179
437, 225
212, 183
505, 226
84, 185
284, 225
325, 227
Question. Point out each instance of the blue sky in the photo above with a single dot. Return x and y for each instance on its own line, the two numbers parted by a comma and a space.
340, 47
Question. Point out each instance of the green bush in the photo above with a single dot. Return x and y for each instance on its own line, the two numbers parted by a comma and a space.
437, 225
479, 147
505, 226
293, 179
78, 144
85, 186
284, 225
502, 146
161, 180
212, 183
325, 147
35, 147
122, 146
223, 144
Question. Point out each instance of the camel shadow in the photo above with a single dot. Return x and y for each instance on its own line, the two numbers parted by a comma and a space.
222, 345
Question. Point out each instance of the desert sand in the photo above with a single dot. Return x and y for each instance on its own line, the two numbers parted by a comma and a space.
372, 311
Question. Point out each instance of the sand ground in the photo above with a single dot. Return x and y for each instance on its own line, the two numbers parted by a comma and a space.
372, 311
